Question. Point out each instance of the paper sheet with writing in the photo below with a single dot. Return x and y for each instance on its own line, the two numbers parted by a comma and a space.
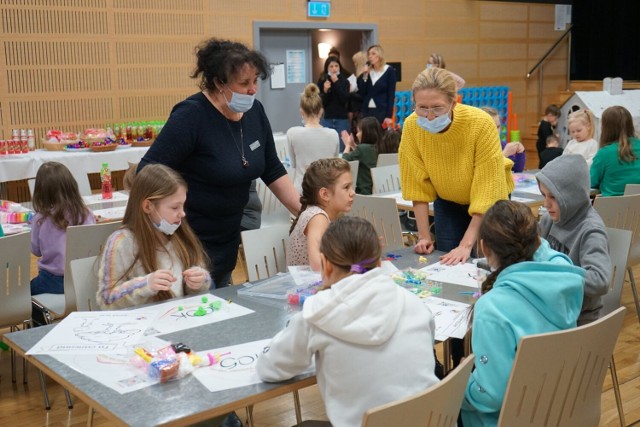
451, 317
177, 315
93, 332
464, 274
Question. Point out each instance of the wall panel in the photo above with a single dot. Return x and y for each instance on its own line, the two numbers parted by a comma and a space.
77, 63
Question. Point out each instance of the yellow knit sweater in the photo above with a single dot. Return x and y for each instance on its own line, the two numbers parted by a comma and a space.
464, 165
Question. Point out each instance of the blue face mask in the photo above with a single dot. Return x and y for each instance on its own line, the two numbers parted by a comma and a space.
436, 125
166, 227
240, 103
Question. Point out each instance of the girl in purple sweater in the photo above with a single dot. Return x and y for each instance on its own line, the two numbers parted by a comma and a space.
58, 204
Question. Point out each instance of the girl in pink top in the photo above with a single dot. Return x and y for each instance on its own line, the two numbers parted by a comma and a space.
327, 192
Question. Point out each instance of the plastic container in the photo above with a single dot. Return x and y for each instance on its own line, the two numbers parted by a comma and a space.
105, 179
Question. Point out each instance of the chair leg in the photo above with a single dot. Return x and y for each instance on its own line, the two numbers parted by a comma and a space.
13, 359
68, 397
296, 404
45, 394
27, 325
616, 391
635, 291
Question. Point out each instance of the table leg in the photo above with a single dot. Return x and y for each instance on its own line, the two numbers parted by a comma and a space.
446, 355
90, 416
249, 415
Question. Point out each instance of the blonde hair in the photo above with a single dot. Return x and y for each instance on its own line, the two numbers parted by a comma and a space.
379, 51
359, 59
585, 117
310, 101
437, 60
154, 183
435, 78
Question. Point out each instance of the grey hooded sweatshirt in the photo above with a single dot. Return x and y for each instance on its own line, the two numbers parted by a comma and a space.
580, 232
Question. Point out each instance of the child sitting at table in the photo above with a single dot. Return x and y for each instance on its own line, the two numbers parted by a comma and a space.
57, 204
363, 148
532, 289
155, 255
372, 340
582, 128
327, 193
575, 228
512, 150
552, 151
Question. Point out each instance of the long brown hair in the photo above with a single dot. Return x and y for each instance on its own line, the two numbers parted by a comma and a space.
617, 126
322, 173
510, 232
56, 196
154, 183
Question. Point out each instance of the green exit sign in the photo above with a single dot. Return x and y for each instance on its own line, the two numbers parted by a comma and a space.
319, 9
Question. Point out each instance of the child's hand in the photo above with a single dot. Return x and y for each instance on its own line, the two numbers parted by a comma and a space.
520, 147
194, 277
161, 280
510, 149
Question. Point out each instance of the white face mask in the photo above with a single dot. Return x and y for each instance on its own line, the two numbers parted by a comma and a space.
166, 227
240, 103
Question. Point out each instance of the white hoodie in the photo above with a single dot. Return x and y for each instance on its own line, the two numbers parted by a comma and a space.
372, 341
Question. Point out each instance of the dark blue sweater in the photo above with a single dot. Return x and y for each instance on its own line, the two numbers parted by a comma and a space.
383, 92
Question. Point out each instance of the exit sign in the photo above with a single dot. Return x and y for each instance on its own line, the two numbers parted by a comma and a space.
319, 9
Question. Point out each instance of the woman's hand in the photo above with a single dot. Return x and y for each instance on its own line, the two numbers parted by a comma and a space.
458, 255
327, 86
160, 280
424, 246
194, 277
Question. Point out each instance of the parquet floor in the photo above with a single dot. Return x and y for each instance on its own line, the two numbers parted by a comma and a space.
21, 405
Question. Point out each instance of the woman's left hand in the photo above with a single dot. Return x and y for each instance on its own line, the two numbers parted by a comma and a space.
457, 255
194, 277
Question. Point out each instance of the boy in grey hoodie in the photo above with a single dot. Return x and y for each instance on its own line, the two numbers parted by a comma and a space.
573, 227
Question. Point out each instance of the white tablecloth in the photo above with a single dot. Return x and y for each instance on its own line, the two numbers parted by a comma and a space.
24, 166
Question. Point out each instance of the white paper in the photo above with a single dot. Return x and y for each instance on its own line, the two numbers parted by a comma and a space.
526, 183
237, 368
277, 76
295, 66
177, 315
95, 332
451, 317
110, 213
464, 274
97, 198
303, 275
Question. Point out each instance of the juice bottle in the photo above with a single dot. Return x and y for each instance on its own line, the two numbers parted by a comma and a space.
105, 179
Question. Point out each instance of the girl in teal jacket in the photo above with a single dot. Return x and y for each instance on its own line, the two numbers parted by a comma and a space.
531, 290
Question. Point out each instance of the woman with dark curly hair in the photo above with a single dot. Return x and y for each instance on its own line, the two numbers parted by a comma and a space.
220, 140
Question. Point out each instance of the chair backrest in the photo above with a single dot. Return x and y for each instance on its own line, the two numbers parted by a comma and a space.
83, 241
557, 377
85, 283
273, 211
355, 165
264, 251
281, 147
386, 179
383, 214
15, 273
619, 243
622, 212
439, 405
631, 189
387, 159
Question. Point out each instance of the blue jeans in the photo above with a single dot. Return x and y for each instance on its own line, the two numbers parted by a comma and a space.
339, 125
47, 283
451, 221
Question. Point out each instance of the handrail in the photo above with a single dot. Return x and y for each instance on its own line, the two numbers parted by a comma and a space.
549, 51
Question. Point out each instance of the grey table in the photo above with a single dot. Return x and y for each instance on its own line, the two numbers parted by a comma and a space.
187, 401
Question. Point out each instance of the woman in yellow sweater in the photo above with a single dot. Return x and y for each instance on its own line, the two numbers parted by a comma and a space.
450, 155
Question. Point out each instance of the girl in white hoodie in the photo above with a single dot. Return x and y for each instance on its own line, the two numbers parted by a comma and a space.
372, 340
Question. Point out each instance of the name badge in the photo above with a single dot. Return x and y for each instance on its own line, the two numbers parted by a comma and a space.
254, 145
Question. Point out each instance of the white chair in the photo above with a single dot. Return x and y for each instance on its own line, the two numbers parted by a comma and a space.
82, 241
281, 147
623, 212
85, 283
387, 159
631, 189
386, 179
355, 166
15, 298
562, 387
619, 243
273, 211
383, 214
264, 251
437, 406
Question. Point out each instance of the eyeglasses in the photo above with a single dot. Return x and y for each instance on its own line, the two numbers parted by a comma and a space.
436, 111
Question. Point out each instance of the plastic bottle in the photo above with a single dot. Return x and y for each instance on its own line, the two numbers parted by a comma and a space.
31, 140
105, 179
